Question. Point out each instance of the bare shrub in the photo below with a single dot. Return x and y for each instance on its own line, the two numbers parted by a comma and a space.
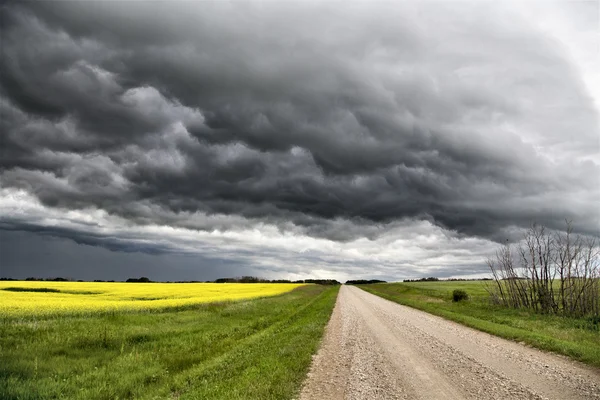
549, 272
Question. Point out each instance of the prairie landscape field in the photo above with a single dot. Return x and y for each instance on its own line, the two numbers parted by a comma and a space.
148, 341
253, 144
578, 338
39, 298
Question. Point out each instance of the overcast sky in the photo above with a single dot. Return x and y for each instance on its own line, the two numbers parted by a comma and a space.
197, 140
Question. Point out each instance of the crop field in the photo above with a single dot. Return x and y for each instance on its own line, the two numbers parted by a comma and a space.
578, 338
32, 298
197, 343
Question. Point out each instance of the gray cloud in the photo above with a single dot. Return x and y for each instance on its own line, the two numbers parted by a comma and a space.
57, 257
322, 122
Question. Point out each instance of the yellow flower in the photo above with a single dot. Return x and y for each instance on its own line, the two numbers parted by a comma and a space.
36, 298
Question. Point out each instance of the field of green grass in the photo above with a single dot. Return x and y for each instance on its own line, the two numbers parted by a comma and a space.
578, 338
252, 349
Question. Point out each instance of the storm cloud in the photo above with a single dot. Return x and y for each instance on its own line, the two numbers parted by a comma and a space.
168, 128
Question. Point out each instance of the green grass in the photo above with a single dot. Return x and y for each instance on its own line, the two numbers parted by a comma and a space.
578, 338
256, 349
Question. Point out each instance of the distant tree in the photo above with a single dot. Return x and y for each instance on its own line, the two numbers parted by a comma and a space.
322, 281
429, 279
225, 280
143, 279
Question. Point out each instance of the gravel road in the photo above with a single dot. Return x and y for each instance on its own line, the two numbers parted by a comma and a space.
376, 349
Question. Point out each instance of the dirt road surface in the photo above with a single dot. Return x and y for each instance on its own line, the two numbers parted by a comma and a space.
376, 349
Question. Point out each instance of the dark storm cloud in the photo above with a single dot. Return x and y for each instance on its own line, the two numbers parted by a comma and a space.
57, 257
87, 238
323, 122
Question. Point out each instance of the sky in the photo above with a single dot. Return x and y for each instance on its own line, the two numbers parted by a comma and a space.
294, 140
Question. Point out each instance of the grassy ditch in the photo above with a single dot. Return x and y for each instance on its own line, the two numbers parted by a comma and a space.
253, 349
578, 338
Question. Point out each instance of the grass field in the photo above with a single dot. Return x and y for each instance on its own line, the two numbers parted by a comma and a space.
32, 298
251, 349
577, 338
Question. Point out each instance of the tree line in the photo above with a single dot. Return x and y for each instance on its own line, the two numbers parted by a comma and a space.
363, 281
143, 279
254, 279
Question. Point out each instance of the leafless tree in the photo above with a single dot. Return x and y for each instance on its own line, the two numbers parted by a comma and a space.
553, 273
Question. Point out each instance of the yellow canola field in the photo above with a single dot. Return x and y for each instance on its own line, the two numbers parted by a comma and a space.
30, 298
